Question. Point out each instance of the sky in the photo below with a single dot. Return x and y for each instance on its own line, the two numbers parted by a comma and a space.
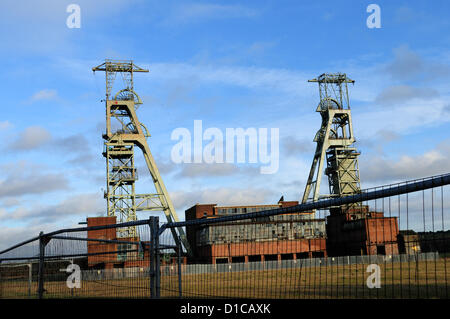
230, 64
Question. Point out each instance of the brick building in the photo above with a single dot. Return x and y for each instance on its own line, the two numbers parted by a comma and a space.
355, 230
108, 257
116, 255
347, 231
290, 236
358, 231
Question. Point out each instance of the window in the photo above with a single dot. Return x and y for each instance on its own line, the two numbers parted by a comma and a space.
238, 259
122, 254
287, 256
302, 255
221, 260
254, 258
381, 250
270, 257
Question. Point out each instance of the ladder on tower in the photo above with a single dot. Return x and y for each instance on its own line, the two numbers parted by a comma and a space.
122, 200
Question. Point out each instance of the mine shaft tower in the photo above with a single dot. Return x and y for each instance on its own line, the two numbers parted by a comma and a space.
123, 133
334, 141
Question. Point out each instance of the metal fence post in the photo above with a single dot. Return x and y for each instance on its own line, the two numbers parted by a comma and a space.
1, 283
179, 269
155, 274
43, 241
152, 260
30, 278
157, 261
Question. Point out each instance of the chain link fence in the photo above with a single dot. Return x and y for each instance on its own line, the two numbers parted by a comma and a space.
387, 242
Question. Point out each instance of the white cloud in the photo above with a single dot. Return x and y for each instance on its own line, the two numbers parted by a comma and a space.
260, 47
20, 178
409, 65
223, 196
402, 118
293, 146
281, 80
383, 169
75, 205
46, 94
4, 125
10, 236
32, 183
213, 170
26, 221
31, 138
406, 63
403, 93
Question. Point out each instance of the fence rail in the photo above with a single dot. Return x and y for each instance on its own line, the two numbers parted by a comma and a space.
387, 242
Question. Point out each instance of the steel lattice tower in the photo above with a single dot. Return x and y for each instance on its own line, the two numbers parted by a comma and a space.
334, 141
123, 133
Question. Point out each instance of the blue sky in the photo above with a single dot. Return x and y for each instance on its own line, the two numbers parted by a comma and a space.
228, 63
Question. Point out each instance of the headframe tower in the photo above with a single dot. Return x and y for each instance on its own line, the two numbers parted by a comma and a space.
124, 131
334, 141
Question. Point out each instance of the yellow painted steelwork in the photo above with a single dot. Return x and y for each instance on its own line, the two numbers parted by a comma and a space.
334, 140
120, 141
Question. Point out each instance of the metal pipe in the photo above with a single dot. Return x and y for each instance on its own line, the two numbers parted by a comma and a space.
71, 255
110, 241
19, 245
100, 227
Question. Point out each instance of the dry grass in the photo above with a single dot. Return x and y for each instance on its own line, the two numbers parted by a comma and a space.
425, 279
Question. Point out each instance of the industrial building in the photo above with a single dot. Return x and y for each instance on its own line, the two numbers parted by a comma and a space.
359, 231
353, 230
289, 236
108, 256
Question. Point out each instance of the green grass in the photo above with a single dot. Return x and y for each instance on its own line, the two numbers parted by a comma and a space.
425, 279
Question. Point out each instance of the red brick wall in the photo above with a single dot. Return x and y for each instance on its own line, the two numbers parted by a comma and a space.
96, 247
380, 230
196, 212
288, 203
210, 252
343, 239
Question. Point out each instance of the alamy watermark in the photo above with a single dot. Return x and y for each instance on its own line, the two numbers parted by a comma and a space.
74, 279
74, 19
374, 279
374, 19
233, 146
